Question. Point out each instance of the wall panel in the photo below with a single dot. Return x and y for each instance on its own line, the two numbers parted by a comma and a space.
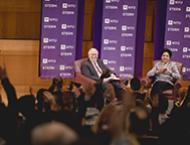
21, 60
20, 19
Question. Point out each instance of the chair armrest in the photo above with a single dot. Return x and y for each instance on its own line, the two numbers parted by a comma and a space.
80, 78
178, 84
146, 82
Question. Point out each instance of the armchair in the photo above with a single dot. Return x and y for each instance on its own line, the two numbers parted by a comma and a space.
79, 77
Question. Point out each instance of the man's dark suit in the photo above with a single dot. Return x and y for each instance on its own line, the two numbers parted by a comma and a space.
88, 69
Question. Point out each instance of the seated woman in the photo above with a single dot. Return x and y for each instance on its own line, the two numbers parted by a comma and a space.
164, 72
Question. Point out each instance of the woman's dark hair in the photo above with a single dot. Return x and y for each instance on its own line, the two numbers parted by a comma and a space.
168, 51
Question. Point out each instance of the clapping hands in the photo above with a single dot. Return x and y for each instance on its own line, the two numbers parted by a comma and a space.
161, 71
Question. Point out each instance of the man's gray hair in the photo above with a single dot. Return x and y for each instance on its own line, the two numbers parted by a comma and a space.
92, 50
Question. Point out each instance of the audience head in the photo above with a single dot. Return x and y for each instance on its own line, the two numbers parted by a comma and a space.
58, 83
93, 54
26, 104
40, 99
72, 85
135, 84
53, 133
46, 101
76, 88
3, 141
50, 101
166, 55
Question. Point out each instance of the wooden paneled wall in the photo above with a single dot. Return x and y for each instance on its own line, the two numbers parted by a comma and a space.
20, 19
149, 31
88, 19
20, 57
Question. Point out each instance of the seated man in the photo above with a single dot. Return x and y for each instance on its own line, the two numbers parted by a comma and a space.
95, 69
164, 72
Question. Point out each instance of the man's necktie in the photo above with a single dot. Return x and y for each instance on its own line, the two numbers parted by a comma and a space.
98, 68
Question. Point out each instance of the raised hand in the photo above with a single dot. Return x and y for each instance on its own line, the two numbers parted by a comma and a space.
3, 72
